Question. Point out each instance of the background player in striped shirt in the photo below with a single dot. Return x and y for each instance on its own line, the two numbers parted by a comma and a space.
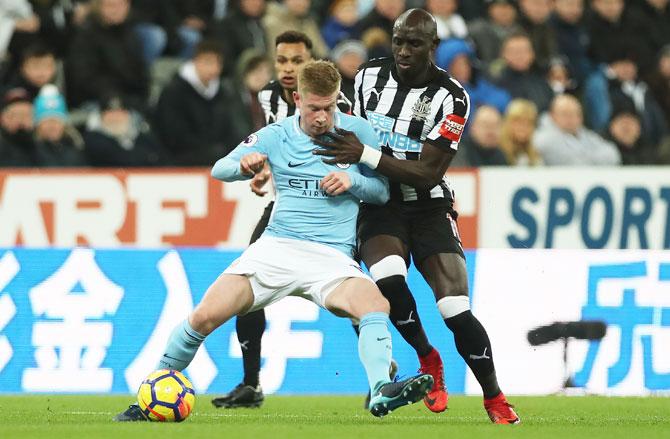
419, 113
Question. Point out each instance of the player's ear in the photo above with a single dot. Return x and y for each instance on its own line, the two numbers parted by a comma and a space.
296, 97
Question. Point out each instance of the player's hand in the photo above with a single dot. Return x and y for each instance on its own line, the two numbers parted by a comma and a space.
342, 146
252, 164
336, 183
259, 180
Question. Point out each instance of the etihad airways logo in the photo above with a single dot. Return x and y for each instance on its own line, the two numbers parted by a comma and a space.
309, 187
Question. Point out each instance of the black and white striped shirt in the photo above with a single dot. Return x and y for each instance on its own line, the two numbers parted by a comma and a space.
277, 109
404, 118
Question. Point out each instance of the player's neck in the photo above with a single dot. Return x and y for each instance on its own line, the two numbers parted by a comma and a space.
288, 96
419, 79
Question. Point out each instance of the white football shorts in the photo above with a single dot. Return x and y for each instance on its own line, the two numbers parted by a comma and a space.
280, 267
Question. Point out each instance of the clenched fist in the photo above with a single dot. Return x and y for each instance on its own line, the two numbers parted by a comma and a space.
253, 163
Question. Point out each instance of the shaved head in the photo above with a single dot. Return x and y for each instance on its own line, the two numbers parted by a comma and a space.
418, 19
413, 46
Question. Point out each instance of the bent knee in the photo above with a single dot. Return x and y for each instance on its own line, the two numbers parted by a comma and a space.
370, 300
202, 321
390, 266
380, 304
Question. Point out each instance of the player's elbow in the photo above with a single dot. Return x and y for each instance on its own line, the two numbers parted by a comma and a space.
429, 180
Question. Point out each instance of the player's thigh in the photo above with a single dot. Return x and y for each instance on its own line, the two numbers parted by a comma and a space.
437, 250
356, 297
446, 274
382, 231
228, 296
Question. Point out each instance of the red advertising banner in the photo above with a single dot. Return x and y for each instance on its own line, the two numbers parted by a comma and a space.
148, 208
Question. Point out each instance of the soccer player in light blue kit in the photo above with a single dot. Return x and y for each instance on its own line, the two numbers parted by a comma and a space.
307, 248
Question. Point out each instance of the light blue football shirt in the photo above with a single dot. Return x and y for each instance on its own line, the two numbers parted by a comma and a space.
302, 210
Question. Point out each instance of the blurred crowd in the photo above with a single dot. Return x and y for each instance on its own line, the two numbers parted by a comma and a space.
174, 82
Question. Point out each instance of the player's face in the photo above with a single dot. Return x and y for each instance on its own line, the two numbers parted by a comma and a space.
316, 112
412, 49
289, 60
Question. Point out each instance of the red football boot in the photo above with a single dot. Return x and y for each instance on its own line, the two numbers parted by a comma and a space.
436, 399
500, 411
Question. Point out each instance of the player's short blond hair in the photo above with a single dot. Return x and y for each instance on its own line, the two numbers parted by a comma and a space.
320, 78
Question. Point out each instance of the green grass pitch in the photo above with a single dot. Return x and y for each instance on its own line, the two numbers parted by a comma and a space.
319, 417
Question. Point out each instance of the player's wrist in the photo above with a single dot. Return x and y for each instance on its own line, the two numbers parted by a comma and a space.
370, 157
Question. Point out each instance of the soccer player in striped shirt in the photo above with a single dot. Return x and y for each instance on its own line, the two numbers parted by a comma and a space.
418, 112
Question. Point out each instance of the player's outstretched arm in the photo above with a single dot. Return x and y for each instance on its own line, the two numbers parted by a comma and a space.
344, 147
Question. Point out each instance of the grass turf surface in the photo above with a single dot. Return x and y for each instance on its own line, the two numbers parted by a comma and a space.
340, 416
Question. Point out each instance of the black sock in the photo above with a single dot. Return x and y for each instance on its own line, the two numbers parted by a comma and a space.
404, 315
250, 328
473, 344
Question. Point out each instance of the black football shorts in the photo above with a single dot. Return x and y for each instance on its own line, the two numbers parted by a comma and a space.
427, 227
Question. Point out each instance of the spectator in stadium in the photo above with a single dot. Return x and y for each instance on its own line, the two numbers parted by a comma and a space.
572, 38
534, 20
655, 14
192, 117
449, 23
340, 24
457, 57
118, 136
38, 68
625, 131
611, 27
19, 28
377, 42
488, 33
381, 17
348, 57
562, 140
293, 15
559, 76
156, 25
196, 20
16, 128
57, 143
472, 9
253, 72
106, 57
516, 136
59, 20
520, 75
481, 146
240, 30
659, 82
618, 84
